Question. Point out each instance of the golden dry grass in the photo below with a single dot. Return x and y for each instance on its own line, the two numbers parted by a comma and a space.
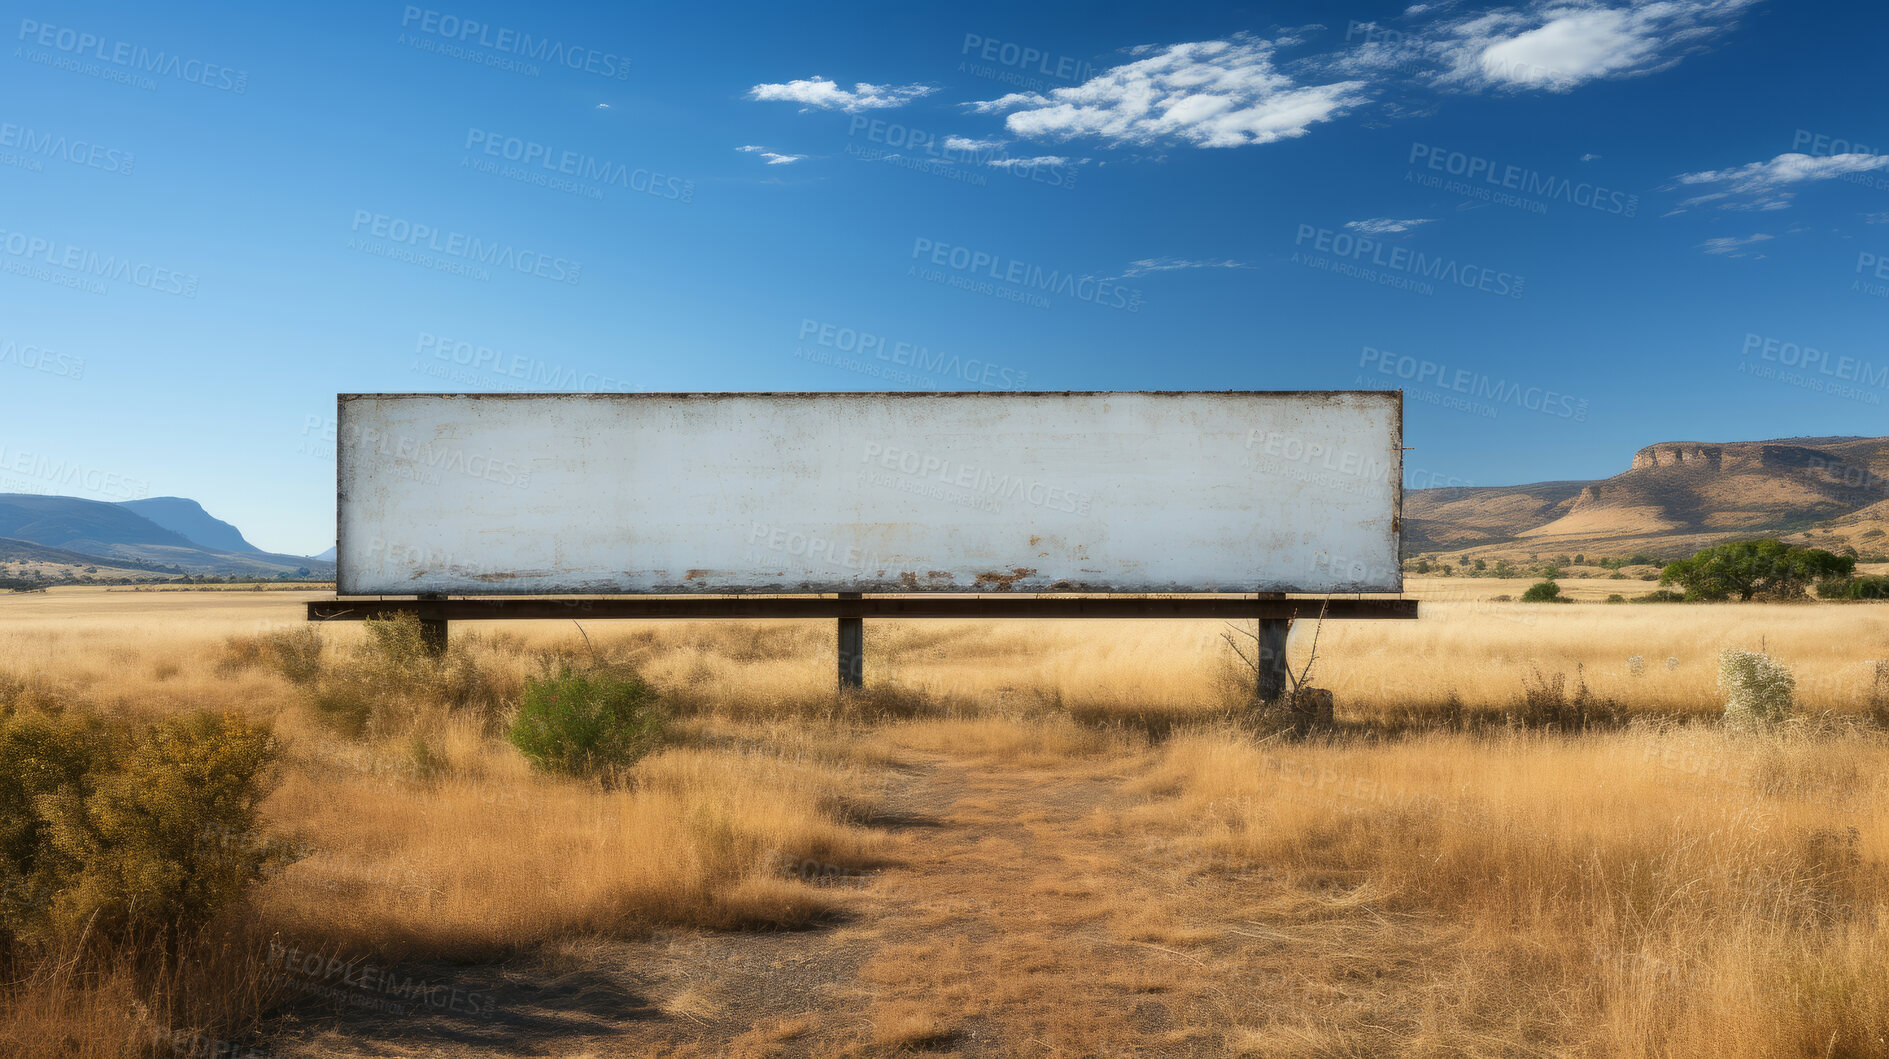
1654, 892
1103, 862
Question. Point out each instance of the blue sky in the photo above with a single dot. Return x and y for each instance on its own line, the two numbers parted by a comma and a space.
1567, 230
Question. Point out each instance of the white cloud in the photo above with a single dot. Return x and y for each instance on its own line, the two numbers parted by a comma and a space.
1733, 245
1042, 159
1386, 225
1876, 218
819, 92
1765, 185
1589, 157
773, 158
965, 143
1217, 93
1171, 264
1548, 45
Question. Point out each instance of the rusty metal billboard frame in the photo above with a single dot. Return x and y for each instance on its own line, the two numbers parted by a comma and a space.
1272, 611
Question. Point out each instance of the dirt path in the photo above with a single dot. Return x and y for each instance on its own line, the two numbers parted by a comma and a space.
1020, 918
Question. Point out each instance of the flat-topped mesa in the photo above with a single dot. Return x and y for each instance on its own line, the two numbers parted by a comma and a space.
1679, 454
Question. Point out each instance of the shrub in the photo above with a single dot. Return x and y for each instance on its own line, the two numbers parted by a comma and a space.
1543, 592
1760, 688
121, 834
1548, 703
1616, 597
1661, 595
43, 757
294, 653
387, 682
1864, 587
586, 723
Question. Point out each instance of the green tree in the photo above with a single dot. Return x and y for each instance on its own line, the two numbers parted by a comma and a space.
1542, 592
1749, 568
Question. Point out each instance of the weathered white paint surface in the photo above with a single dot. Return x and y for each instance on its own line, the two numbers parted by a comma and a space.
874, 492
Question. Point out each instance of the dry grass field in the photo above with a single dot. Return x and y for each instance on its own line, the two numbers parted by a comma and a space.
1044, 839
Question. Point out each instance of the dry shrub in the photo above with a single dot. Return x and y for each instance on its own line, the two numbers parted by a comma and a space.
1759, 690
391, 684
1548, 703
294, 653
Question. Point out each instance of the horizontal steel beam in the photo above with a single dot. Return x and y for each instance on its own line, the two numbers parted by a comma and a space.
1040, 607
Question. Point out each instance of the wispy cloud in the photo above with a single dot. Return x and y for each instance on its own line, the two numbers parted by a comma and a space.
823, 94
773, 157
1734, 246
1546, 45
966, 143
1042, 159
1386, 225
1217, 93
1765, 185
1173, 264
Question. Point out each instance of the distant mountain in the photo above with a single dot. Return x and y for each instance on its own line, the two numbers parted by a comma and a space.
188, 518
77, 525
1675, 498
328, 556
117, 534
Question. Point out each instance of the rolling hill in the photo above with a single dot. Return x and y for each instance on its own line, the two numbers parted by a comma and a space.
1675, 498
64, 532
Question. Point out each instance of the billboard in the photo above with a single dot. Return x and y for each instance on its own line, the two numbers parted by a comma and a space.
1092, 492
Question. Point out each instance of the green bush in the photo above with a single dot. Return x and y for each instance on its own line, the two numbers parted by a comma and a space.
1861, 587
1760, 689
1616, 598
1661, 595
1543, 592
584, 723
119, 833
